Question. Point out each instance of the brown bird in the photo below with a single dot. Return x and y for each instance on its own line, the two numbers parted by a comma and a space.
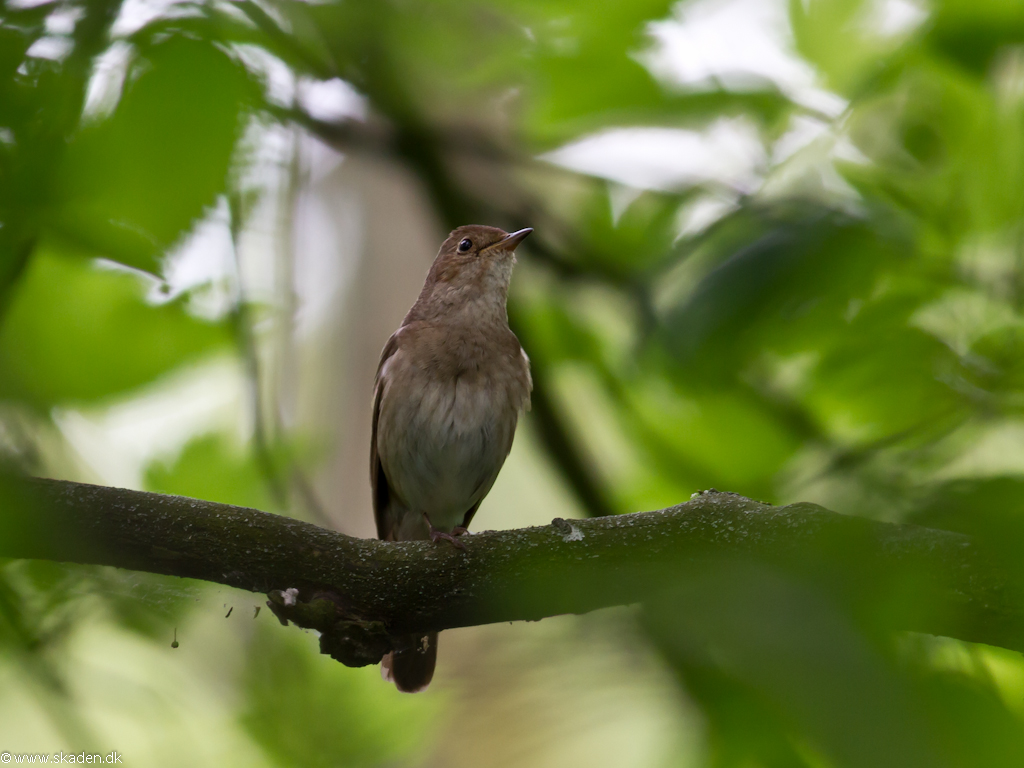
449, 387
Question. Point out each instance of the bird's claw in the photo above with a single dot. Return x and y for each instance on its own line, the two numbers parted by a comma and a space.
436, 536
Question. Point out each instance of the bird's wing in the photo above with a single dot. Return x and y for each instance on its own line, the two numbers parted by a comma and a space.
378, 480
469, 515
502, 450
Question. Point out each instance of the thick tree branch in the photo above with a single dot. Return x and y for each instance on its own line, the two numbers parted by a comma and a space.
361, 592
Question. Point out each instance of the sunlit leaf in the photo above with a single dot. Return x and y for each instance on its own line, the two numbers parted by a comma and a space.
134, 183
76, 333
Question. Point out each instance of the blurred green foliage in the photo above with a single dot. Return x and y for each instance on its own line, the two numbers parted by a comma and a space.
134, 182
847, 329
306, 712
77, 334
240, 480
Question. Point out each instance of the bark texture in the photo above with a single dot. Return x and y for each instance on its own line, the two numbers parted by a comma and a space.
361, 593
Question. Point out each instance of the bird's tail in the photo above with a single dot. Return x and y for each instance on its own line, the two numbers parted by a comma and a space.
411, 668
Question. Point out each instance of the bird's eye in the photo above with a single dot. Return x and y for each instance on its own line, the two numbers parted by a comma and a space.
465, 245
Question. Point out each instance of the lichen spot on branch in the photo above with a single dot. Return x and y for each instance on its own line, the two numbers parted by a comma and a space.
569, 531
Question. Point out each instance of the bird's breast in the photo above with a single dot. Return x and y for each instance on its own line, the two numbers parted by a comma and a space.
444, 432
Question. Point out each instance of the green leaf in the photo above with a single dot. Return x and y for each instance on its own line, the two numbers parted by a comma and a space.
759, 642
973, 32
991, 509
76, 333
134, 183
781, 279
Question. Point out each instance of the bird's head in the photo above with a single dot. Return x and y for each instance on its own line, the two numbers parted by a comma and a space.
474, 265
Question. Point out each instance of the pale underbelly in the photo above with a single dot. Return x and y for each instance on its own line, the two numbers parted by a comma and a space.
441, 450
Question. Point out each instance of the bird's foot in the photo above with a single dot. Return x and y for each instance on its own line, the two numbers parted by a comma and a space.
437, 535
458, 530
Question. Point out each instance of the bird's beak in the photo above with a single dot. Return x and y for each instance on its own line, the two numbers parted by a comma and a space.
511, 240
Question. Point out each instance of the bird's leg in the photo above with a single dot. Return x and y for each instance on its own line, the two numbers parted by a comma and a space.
437, 535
